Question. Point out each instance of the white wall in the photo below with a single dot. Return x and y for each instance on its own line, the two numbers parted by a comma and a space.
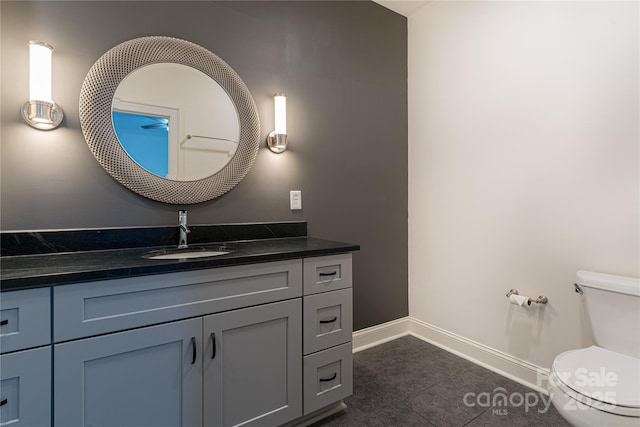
523, 165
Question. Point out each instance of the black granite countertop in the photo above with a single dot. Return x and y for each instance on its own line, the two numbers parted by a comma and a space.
32, 271
47, 258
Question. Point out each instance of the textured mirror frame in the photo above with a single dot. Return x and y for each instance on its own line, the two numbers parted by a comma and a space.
96, 99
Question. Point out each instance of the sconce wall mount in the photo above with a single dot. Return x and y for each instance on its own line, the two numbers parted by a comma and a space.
40, 111
42, 115
277, 142
277, 139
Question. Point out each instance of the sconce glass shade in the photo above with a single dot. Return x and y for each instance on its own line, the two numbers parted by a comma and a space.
40, 111
40, 71
280, 108
277, 140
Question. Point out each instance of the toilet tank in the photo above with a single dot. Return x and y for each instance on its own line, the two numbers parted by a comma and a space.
613, 307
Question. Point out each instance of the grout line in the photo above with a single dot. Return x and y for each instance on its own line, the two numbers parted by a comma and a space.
477, 416
424, 418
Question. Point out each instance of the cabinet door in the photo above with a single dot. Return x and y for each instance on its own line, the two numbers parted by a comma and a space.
253, 366
25, 388
145, 377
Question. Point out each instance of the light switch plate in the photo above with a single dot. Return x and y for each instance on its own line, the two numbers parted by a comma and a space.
295, 200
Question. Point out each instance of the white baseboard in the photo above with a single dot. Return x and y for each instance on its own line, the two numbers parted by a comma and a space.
379, 334
516, 369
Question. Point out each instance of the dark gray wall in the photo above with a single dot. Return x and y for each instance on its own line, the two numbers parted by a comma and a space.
343, 66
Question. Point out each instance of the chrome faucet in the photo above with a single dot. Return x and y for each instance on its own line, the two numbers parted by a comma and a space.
184, 229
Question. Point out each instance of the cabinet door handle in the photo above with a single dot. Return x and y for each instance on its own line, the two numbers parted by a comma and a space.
333, 273
330, 320
335, 374
213, 341
3, 402
194, 350
4, 322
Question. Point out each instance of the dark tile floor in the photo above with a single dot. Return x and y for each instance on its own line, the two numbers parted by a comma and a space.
408, 382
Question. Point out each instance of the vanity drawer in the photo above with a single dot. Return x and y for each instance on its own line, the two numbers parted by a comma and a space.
25, 319
328, 377
87, 309
327, 320
327, 273
25, 388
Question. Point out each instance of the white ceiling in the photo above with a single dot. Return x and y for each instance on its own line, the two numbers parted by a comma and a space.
403, 7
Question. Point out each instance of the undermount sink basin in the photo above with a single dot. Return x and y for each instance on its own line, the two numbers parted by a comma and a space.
185, 254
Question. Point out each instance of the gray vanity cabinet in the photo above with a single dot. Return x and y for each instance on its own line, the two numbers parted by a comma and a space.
262, 344
25, 365
144, 377
253, 366
25, 388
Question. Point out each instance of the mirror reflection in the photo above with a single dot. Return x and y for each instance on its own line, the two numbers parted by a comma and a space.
175, 121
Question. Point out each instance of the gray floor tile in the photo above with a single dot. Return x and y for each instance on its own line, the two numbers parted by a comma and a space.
409, 382
454, 402
408, 365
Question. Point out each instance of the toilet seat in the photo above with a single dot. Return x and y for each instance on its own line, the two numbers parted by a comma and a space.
600, 378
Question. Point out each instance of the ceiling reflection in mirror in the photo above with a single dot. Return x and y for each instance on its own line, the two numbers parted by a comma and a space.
175, 121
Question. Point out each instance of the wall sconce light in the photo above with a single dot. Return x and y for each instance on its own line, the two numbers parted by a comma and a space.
277, 139
40, 111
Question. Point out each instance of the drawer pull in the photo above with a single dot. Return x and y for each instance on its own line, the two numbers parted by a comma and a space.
4, 322
330, 320
324, 380
213, 340
194, 350
3, 402
333, 273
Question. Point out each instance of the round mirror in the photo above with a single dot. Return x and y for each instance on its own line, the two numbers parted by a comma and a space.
175, 121
169, 120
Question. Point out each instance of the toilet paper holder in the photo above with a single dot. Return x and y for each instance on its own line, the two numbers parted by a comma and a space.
540, 300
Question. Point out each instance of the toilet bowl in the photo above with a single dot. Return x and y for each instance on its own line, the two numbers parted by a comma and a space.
600, 385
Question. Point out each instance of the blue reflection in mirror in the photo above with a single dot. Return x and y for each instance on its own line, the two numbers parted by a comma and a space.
145, 139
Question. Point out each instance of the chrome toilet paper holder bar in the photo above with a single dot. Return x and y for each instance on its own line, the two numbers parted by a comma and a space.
540, 300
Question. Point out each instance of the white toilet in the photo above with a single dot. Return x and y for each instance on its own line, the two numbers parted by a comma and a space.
600, 385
